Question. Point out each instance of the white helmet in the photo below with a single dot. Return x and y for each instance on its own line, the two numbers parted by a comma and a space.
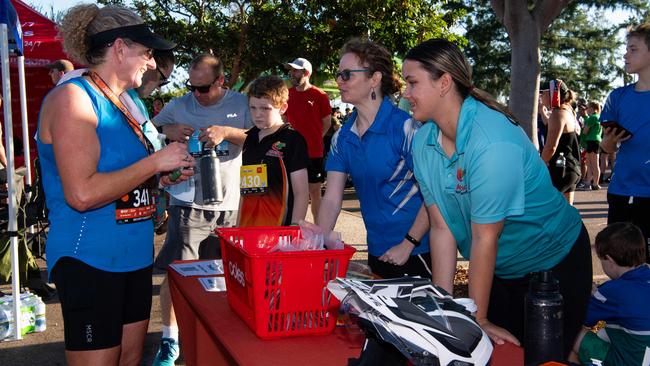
421, 320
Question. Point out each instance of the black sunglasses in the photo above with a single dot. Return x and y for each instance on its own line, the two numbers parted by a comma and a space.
345, 74
163, 79
200, 88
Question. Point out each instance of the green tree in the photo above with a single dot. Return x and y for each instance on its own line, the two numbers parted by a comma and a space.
512, 43
258, 36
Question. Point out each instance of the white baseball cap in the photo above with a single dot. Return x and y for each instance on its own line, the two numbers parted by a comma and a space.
300, 64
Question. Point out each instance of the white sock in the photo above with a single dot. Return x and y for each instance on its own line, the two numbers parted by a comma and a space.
170, 332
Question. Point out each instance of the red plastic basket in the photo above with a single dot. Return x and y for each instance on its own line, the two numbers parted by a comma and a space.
280, 294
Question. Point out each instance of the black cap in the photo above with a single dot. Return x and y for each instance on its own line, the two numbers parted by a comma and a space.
139, 33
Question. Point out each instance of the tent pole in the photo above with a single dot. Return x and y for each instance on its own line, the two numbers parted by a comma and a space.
23, 113
11, 198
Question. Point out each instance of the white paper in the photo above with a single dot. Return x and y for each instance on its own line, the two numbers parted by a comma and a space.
200, 268
213, 284
183, 191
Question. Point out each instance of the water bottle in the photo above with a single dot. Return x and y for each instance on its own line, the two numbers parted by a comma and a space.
211, 179
39, 315
6, 328
543, 338
194, 145
223, 149
561, 161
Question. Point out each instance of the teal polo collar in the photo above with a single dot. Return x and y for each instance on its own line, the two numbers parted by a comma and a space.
463, 128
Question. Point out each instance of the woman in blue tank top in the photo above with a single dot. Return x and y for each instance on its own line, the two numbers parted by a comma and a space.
98, 172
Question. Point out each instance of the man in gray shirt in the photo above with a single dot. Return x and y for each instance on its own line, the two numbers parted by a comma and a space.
222, 117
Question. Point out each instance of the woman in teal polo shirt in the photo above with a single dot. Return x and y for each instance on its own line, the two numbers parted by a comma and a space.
489, 195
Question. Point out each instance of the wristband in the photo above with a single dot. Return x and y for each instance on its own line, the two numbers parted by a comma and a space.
412, 240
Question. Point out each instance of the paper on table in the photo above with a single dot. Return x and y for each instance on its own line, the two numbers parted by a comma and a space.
183, 191
213, 284
200, 268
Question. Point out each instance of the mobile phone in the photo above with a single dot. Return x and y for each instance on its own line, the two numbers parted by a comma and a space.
617, 127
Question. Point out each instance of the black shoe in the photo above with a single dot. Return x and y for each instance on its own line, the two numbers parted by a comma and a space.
595, 187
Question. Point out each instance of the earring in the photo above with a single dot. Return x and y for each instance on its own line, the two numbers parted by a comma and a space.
373, 95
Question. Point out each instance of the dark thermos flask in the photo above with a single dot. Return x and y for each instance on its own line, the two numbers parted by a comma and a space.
211, 178
543, 338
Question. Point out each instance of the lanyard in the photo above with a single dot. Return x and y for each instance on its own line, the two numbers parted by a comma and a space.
135, 126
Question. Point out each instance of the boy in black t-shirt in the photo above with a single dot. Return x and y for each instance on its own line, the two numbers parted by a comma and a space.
274, 188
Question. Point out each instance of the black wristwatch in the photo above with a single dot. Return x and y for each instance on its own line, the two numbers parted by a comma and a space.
412, 240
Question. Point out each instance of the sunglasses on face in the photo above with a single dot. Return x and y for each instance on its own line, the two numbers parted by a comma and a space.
163, 79
200, 88
345, 74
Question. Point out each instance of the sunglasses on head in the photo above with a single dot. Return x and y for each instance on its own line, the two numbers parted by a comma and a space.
163, 79
200, 88
345, 74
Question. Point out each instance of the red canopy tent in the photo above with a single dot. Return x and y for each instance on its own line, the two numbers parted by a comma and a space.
41, 47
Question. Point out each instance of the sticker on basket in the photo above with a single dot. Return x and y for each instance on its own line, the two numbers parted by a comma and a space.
236, 273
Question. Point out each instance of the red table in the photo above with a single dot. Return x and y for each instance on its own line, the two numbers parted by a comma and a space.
212, 334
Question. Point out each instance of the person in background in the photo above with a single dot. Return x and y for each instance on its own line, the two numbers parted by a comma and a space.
628, 195
622, 302
581, 116
487, 191
221, 117
592, 133
309, 113
98, 171
153, 80
158, 103
374, 149
562, 138
59, 68
3, 153
334, 126
276, 146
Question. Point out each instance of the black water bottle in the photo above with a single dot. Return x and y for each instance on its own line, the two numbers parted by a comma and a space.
543, 338
211, 178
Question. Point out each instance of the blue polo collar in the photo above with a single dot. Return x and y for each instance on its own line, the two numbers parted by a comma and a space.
381, 119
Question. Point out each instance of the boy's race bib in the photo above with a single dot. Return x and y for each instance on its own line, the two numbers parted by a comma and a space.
254, 179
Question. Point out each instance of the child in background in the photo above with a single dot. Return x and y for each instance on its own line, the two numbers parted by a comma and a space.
622, 302
274, 188
592, 132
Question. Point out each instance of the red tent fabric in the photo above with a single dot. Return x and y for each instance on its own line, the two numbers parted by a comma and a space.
41, 47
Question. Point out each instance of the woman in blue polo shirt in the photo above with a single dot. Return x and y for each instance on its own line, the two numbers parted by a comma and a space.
489, 195
375, 150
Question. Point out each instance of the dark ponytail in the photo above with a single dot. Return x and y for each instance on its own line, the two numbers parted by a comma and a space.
439, 56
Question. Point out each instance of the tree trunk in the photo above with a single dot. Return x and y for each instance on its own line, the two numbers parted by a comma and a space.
525, 29
524, 81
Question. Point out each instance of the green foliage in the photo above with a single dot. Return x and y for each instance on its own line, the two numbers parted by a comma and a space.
253, 37
579, 47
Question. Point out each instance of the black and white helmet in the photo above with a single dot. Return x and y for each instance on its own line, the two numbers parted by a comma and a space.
421, 320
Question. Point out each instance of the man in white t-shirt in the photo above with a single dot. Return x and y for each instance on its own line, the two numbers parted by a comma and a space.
222, 117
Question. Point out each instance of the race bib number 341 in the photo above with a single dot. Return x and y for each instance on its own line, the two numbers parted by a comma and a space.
135, 206
253, 179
